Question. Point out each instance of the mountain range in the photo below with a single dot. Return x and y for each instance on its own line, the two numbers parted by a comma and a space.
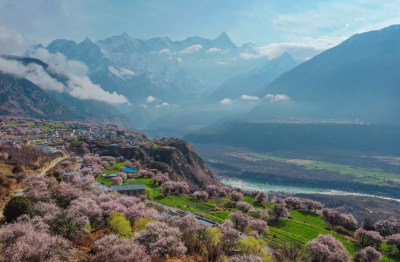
358, 79
179, 76
189, 84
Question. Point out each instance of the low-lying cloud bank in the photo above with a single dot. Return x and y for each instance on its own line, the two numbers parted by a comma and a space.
226, 101
249, 98
77, 83
300, 51
277, 97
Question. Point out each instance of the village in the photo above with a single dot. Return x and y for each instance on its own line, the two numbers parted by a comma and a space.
53, 136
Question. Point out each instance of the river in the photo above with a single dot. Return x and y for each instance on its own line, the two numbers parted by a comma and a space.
248, 185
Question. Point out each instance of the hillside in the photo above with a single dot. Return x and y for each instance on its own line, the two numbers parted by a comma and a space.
172, 156
251, 83
21, 97
182, 202
358, 79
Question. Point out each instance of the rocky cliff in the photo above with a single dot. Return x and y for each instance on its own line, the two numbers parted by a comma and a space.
176, 157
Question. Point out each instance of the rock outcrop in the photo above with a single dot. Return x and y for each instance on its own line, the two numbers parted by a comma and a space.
174, 156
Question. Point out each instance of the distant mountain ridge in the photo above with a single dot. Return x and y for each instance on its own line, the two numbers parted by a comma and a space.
358, 79
251, 83
178, 74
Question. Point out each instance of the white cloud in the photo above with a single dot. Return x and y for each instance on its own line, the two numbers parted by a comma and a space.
226, 101
222, 63
191, 49
213, 50
300, 51
127, 72
11, 42
179, 59
151, 99
249, 56
164, 104
33, 72
277, 97
77, 83
121, 72
250, 98
165, 51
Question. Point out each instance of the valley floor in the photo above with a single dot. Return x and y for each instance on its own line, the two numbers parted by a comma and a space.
348, 176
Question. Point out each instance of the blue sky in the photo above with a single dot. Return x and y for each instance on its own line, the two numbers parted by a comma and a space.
261, 22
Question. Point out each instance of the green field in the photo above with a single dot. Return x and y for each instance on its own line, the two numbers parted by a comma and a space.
372, 176
302, 226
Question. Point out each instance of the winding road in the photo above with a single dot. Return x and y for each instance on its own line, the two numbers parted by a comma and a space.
52, 164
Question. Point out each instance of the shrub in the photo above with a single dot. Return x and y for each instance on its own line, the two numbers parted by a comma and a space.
200, 195
159, 239
293, 203
17, 169
141, 223
368, 238
368, 254
111, 248
149, 192
120, 225
311, 205
116, 180
342, 230
368, 225
255, 247
244, 206
289, 251
387, 227
260, 198
260, 226
236, 196
20, 176
279, 212
336, 218
259, 213
326, 248
394, 240
30, 240
17, 207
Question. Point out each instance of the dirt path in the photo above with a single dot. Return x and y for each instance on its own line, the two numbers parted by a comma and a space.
52, 164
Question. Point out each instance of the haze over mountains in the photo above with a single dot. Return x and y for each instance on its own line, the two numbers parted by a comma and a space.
358, 79
177, 87
161, 77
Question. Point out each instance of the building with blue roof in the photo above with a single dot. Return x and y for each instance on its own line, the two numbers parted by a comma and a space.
129, 170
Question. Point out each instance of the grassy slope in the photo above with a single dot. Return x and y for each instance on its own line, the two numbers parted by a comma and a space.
305, 226
302, 226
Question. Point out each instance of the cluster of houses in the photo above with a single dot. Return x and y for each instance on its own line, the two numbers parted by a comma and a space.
130, 190
51, 136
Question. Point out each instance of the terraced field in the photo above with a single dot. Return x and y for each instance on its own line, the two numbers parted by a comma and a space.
305, 226
302, 226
